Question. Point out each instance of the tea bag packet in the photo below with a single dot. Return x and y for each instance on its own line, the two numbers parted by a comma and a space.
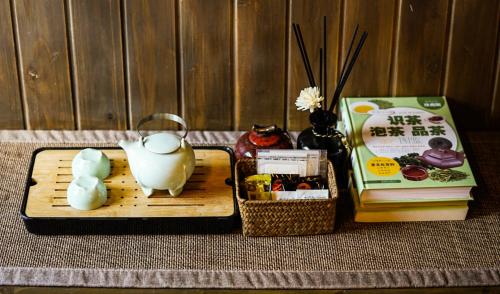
288, 187
310, 183
258, 187
280, 182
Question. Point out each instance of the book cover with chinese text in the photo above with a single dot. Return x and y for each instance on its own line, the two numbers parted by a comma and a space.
405, 143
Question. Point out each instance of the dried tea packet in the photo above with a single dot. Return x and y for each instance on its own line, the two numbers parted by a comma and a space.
258, 187
284, 182
311, 183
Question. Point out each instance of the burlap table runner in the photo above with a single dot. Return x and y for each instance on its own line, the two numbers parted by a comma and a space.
425, 254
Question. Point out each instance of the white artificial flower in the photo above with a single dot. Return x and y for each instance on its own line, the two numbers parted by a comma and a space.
309, 99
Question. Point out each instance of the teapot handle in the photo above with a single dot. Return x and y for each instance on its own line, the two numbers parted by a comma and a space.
165, 116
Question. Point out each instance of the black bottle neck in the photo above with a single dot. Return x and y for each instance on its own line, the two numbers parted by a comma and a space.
324, 122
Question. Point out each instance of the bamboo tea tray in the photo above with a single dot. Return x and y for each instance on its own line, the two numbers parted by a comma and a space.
207, 203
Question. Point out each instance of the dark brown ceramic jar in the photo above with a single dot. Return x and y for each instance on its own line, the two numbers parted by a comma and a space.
260, 137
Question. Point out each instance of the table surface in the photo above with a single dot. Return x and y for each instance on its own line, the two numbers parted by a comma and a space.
357, 255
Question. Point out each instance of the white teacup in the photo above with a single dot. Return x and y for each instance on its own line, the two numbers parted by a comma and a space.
91, 162
86, 193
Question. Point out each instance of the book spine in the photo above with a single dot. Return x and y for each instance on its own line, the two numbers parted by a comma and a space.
351, 137
356, 169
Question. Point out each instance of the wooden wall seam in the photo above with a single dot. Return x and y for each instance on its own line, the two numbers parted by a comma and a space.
67, 25
494, 117
446, 47
494, 110
234, 49
19, 66
232, 61
20, 71
286, 93
395, 48
178, 60
449, 39
12, 114
73, 63
125, 53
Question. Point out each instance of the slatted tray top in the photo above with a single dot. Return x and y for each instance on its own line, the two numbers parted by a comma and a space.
205, 194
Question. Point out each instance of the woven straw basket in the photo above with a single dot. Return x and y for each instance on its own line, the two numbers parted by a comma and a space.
285, 217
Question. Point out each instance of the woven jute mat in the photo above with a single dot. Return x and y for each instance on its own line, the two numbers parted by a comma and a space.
357, 255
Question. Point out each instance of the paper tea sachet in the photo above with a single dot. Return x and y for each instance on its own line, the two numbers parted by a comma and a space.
301, 162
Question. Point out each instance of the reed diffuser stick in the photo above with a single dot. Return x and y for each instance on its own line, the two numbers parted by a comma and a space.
308, 64
344, 65
304, 57
325, 64
321, 89
345, 77
342, 72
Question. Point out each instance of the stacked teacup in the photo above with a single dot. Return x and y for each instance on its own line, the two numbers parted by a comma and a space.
87, 190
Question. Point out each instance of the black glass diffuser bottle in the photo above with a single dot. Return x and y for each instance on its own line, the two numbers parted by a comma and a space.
324, 135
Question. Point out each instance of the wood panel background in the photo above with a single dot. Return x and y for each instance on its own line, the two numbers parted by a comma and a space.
227, 64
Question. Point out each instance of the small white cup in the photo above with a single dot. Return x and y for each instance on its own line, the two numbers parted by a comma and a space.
91, 162
87, 193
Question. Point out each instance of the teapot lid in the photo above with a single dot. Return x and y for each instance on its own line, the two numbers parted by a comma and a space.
162, 143
442, 154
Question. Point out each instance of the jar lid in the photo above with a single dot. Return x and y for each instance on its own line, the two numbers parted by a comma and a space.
264, 136
162, 143
263, 140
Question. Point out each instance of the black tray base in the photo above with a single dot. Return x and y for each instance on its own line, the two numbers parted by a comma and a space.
149, 226
136, 226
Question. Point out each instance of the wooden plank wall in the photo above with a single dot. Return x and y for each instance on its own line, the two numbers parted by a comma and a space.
227, 64
11, 114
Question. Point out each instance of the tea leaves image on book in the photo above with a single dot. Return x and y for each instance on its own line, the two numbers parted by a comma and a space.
406, 143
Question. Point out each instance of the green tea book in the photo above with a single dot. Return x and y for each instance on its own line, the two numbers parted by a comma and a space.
405, 150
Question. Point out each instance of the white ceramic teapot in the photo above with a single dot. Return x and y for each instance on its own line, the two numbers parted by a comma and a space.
161, 161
